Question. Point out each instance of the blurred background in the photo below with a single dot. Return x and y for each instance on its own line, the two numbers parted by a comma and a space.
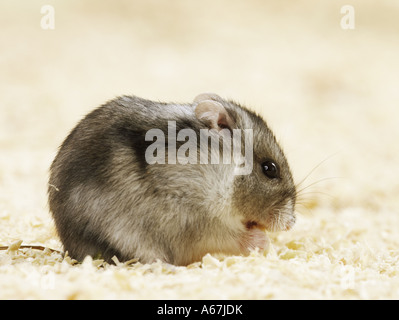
329, 93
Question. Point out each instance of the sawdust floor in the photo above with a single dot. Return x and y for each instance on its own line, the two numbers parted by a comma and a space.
331, 96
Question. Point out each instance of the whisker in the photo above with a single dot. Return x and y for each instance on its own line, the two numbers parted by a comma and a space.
303, 207
277, 219
315, 168
301, 196
316, 182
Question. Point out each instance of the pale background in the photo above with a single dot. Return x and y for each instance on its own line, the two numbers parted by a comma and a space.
331, 96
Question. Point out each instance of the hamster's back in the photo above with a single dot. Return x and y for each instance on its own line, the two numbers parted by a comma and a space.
104, 197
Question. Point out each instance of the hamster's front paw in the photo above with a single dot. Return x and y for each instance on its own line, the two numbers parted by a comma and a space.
254, 238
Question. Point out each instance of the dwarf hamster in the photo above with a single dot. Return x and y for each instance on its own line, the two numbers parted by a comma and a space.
127, 183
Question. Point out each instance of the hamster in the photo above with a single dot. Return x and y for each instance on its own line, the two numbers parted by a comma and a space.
115, 190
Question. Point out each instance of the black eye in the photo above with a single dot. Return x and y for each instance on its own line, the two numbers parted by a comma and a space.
270, 169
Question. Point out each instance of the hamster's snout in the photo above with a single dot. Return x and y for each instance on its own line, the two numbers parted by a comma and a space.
281, 218
277, 219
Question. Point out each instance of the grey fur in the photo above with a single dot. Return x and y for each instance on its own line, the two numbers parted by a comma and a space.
105, 198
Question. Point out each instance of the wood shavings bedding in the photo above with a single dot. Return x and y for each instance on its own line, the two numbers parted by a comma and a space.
343, 263
327, 93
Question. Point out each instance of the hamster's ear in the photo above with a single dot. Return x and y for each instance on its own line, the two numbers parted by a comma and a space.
215, 113
207, 96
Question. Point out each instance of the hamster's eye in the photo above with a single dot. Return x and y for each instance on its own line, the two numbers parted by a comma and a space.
270, 169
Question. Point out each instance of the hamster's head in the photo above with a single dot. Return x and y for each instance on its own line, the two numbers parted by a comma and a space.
265, 196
